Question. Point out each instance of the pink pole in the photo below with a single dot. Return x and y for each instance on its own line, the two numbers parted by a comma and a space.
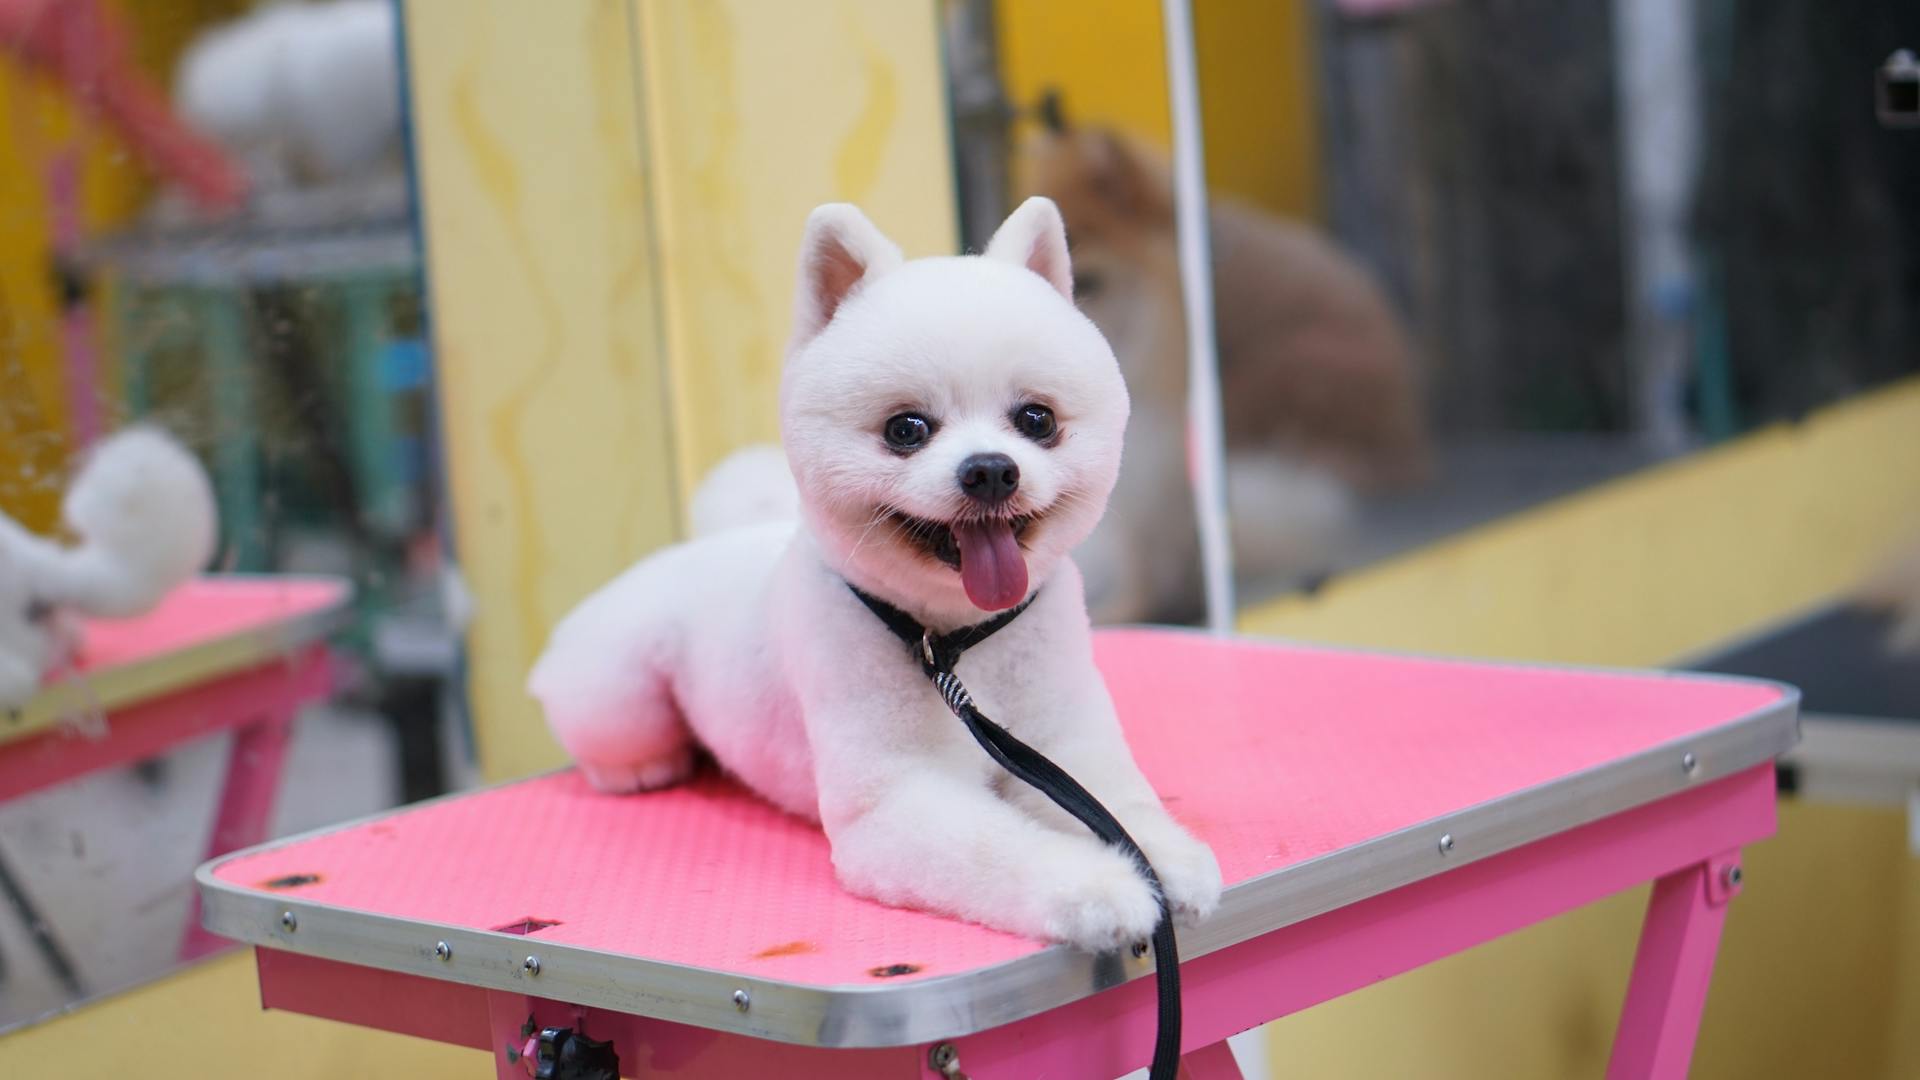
77, 344
1213, 1062
246, 806
1671, 972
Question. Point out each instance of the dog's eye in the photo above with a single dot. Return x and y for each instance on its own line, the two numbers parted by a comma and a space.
1034, 421
908, 431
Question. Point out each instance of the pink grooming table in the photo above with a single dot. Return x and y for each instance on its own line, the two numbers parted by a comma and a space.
1371, 814
218, 654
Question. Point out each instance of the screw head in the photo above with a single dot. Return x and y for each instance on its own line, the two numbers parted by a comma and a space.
443, 950
1733, 876
943, 1057
1689, 763
531, 965
1139, 949
1446, 844
742, 1000
289, 922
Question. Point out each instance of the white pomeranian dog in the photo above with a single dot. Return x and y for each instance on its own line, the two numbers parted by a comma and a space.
953, 427
144, 512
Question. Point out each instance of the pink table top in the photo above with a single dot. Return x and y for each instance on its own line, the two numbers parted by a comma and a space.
1318, 776
207, 628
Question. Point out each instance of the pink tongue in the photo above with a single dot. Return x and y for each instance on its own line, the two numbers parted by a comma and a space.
991, 566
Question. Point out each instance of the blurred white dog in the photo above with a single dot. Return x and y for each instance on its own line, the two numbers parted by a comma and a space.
954, 427
143, 511
303, 93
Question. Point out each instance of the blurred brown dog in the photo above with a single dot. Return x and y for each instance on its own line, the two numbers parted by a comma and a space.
1320, 390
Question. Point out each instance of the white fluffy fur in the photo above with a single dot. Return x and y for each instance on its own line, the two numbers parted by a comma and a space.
309, 91
752, 486
143, 511
750, 642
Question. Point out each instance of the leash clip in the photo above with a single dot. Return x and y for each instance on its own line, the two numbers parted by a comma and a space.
926, 649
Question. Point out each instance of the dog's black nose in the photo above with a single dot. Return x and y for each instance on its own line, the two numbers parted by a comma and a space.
989, 478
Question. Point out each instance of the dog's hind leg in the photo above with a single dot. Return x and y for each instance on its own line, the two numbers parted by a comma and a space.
604, 681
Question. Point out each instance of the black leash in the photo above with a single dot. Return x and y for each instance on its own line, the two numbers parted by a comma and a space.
937, 654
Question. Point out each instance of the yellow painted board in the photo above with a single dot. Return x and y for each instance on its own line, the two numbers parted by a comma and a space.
759, 110
1654, 565
546, 328
1258, 83
207, 1022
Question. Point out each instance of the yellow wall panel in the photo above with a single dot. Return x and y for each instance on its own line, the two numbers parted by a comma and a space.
1655, 565
206, 1022
1257, 83
1108, 60
760, 110
545, 323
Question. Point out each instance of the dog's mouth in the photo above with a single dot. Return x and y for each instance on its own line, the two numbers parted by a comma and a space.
988, 552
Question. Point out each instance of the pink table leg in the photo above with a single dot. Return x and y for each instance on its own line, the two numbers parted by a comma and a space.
508, 1017
1213, 1062
1672, 969
246, 802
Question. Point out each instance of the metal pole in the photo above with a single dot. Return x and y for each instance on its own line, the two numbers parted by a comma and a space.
1207, 445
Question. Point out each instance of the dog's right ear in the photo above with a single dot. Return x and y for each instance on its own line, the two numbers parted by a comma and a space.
842, 250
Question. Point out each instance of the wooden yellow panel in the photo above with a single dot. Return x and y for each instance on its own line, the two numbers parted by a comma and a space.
207, 1022
759, 110
545, 324
1257, 83
1652, 566
1257, 91
1107, 59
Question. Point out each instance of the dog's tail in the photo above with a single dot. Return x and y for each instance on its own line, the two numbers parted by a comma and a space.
1290, 521
144, 513
750, 487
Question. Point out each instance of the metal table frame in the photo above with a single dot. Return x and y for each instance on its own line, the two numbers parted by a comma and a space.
1675, 815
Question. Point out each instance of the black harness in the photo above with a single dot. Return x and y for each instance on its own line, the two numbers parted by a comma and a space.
937, 654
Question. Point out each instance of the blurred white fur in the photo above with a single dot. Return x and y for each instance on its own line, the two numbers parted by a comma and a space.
751, 486
301, 92
143, 511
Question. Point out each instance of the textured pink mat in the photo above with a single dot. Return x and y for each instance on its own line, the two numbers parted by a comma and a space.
202, 611
1273, 754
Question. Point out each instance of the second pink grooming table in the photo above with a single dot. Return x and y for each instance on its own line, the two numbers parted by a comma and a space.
238, 653
1371, 813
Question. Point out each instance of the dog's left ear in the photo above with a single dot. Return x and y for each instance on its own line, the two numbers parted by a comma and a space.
841, 250
1033, 236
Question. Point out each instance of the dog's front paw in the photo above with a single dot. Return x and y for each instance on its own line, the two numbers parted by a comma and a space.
628, 777
1101, 905
1188, 872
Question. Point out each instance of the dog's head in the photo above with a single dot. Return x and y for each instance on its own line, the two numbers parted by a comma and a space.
954, 424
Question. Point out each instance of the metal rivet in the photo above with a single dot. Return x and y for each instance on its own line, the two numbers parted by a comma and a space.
1139, 949
443, 950
1689, 763
1734, 876
1446, 844
742, 1000
943, 1058
288, 921
531, 966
